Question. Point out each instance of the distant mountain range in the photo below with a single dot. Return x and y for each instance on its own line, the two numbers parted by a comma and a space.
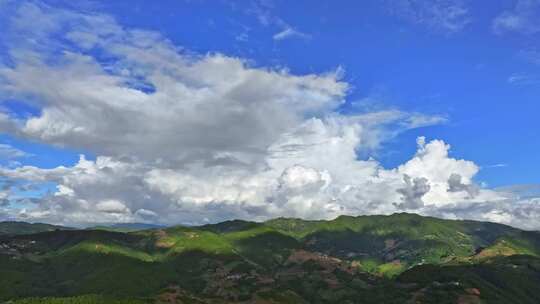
402, 258
127, 227
18, 228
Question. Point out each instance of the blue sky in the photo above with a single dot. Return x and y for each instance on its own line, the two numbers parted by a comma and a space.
474, 66
391, 60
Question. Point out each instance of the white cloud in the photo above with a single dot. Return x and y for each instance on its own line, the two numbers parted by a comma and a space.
524, 18
522, 213
263, 11
298, 177
288, 33
497, 166
523, 79
112, 206
521, 191
8, 152
312, 173
187, 138
447, 16
413, 192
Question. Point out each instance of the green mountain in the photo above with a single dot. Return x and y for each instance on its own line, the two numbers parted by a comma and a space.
18, 228
402, 258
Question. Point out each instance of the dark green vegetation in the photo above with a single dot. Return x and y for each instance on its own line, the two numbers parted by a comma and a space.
86, 299
401, 258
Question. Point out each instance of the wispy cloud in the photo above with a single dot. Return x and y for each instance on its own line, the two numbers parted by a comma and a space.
531, 55
524, 18
496, 166
288, 33
448, 16
242, 37
523, 79
263, 11
522, 190
8, 152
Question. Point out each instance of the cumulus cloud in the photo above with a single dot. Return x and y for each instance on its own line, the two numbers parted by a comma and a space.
189, 138
312, 172
456, 185
413, 192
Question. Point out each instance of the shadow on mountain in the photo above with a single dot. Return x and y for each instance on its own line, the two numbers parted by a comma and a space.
379, 259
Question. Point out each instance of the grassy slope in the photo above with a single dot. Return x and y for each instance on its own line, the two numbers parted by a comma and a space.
513, 279
411, 239
71, 263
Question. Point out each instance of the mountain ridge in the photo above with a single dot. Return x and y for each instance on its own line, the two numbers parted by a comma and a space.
323, 261
20, 227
